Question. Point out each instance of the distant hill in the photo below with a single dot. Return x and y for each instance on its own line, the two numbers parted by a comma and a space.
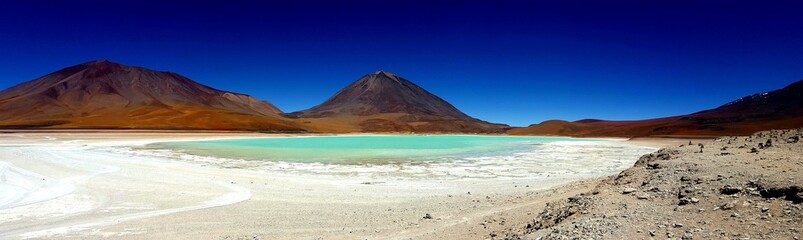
384, 102
107, 95
103, 94
778, 109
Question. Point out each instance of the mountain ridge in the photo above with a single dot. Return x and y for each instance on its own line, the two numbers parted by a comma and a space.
383, 101
104, 94
778, 109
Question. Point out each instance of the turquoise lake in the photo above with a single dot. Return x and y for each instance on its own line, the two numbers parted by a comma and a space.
361, 149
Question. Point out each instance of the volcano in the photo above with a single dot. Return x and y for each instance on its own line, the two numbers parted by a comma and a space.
108, 95
385, 102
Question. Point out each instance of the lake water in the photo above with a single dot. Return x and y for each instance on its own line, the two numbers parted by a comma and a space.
414, 156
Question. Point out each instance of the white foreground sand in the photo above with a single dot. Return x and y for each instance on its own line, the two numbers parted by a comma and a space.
77, 185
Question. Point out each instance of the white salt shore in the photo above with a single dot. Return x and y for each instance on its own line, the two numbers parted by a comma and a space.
96, 185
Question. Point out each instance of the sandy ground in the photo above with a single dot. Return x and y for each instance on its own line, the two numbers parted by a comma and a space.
68, 185
746, 187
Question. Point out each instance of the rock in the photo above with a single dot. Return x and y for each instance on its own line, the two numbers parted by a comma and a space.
665, 155
556, 212
753, 150
686, 201
789, 192
427, 216
729, 190
765, 187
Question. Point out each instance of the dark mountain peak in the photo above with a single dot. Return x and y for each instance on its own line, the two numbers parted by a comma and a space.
103, 67
383, 101
102, 63
383, 76
383, 92
790, 96
384, 73
795, 86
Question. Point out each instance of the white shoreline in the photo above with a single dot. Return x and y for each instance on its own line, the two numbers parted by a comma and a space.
180, 190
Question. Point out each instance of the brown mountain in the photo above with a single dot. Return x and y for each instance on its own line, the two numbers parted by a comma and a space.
103, 94
384, 102
778, 109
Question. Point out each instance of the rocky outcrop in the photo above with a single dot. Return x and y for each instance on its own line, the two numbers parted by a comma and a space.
683, 193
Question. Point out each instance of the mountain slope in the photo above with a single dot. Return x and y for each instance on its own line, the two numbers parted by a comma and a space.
103, 94
779, 109
384, 102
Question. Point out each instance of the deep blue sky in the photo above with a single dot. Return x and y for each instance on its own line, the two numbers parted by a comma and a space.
515, 62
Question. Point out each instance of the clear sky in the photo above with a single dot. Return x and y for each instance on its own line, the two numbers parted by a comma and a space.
514, 62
